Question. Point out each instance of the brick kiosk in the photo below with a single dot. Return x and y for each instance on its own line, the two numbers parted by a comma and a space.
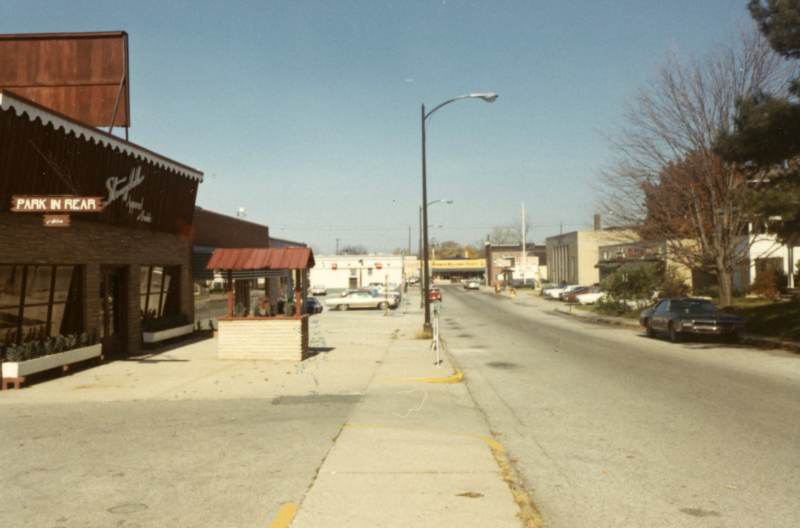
107, 268
252, 335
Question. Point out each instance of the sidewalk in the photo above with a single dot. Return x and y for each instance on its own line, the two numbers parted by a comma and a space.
415, 452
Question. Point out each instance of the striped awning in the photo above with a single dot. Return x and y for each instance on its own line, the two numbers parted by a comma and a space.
289, 258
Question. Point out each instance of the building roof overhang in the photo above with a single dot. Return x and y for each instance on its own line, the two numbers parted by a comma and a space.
288, 258
34, 111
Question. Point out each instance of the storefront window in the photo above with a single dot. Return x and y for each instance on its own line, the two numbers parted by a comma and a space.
39, 301
154, 289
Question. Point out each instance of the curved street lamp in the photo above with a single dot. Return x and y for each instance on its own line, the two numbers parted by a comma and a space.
488, 97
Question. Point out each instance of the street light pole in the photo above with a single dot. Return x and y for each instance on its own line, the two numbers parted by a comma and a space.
426, 287
489, 97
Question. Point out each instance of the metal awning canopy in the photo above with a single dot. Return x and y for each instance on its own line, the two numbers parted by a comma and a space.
291, 258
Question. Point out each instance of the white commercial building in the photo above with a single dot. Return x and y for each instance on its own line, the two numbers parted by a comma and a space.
356, 271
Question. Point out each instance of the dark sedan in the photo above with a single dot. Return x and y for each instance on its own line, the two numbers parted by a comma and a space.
313, 306
677, 318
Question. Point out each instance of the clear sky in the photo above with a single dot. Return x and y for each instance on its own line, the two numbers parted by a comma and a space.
307, 114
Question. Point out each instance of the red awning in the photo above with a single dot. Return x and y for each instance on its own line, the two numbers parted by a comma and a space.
292, 258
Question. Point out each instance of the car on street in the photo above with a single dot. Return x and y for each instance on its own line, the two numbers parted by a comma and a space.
472, 285
677, 318
435, 294
319, 289
313, 306
360, 299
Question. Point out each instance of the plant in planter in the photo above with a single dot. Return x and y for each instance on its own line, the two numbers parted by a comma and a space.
39, 347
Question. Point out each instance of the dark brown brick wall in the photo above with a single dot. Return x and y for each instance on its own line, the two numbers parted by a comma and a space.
217, 230
23, 240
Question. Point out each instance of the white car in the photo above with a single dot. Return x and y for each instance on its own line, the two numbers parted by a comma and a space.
319, 289
472, 285
590, 298
359, 299
555, 293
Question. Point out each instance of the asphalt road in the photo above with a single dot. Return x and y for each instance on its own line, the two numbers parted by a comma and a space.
610, 428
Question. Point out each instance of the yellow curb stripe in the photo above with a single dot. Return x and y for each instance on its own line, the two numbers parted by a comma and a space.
528, 513
458, 377
285, 516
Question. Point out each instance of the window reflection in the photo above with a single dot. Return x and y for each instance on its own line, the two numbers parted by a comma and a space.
39, 301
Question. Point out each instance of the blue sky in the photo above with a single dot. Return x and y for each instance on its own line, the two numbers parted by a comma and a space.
307, 113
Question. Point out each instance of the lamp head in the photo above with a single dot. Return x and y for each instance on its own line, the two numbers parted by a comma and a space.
489, 97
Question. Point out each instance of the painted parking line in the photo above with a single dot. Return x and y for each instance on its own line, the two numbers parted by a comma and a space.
285, 516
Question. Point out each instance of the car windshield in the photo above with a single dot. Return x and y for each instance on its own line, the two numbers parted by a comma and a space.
693, 307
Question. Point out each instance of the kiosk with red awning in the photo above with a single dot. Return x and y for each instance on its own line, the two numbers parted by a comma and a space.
257, 332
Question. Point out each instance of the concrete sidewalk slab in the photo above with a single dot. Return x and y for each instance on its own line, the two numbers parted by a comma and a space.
411, 454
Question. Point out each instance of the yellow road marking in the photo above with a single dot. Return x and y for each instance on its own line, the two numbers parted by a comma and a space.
285, 516
457, 377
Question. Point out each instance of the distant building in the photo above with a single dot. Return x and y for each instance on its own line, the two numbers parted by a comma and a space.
356, 271
506, 263
572, 257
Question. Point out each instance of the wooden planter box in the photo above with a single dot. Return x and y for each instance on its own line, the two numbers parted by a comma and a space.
15, 371
169, 333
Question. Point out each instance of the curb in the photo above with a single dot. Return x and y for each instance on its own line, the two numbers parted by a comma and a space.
600, 319
750, 339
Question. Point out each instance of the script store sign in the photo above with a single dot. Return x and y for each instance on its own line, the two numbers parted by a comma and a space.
56, 208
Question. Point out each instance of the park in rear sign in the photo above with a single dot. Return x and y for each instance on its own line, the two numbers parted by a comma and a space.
57, 204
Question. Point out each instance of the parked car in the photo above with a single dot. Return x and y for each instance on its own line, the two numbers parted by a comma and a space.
472, 285
678, 317
590, 297
359, 299
571, 295
555, 292
413, 280
566, 291
435, 294
319, 289
313, 306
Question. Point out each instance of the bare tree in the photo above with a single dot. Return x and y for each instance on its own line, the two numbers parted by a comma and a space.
353, 250
666, 178
510, 233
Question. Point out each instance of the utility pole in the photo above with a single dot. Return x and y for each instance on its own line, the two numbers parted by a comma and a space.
337, 246
524, 236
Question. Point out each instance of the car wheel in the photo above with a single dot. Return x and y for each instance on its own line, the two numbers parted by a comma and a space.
343, 307
735, 338
674, 336
383, 306
649, 329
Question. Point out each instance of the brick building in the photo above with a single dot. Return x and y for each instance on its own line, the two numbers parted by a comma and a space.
106, 270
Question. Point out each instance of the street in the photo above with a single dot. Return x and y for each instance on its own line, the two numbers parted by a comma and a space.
610, 428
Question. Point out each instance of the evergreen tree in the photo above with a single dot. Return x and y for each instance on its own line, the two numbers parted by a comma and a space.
766, 137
